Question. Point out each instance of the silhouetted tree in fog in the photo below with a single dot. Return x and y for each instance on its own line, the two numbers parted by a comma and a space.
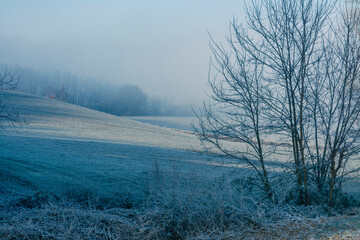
8, 81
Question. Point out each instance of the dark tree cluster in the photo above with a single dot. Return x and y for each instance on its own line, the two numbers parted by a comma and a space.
121, 100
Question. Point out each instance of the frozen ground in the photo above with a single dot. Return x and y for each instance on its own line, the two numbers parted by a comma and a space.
181, 123
61, 146
52, 119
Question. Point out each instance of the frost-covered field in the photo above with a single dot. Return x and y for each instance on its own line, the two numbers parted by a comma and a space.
181, 123
68, 172
61, 146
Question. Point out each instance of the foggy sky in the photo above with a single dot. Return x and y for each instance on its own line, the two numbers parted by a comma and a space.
160, 45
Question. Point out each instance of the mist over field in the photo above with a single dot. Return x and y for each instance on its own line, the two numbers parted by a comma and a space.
161, 46
116, 99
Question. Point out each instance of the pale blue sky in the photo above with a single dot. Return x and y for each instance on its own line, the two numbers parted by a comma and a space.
162, 46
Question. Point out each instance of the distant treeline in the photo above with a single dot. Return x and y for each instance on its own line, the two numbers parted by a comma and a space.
121, 100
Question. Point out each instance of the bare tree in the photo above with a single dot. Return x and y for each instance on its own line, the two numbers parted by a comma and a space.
291, 73
8, 81
237, 96
339, 104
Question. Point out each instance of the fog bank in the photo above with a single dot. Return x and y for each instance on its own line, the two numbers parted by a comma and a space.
160, 46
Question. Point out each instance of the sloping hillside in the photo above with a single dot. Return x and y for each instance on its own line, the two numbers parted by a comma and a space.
60, 146
48, 118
